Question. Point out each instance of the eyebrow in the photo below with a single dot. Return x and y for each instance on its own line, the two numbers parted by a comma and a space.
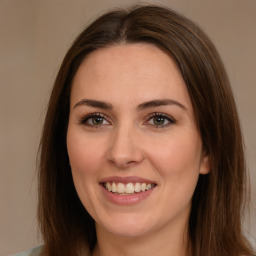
158, 103
142, 106
94, 104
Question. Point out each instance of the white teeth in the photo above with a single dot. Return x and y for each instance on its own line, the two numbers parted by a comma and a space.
128, 188
108, 186
120, 188
114, 188
137, 187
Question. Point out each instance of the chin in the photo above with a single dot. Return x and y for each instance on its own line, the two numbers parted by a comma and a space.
127, 226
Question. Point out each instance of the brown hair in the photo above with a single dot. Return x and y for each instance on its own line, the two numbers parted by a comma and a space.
217, 205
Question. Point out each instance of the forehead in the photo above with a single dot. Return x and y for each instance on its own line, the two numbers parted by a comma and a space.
140, 58
140, 71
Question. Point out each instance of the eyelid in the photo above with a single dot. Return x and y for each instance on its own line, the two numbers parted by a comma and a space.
160, 114
167, 117
84, 118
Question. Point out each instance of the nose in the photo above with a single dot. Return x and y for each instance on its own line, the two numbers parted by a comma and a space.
125, 149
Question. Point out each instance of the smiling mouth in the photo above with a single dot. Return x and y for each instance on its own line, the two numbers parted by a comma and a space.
123, 189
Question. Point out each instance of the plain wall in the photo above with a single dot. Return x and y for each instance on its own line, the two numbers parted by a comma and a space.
34, 36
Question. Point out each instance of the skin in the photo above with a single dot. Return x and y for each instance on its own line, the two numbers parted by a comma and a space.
130, 142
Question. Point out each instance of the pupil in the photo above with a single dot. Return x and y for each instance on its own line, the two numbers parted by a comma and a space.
159, 120
97, 120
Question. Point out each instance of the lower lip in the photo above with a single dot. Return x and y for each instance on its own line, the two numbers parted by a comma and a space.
127, 199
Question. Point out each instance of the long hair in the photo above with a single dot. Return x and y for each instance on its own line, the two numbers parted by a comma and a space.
217, 204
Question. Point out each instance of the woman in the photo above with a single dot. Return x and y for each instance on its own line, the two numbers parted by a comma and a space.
141, 151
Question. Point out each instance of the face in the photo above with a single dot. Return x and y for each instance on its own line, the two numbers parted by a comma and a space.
133, 144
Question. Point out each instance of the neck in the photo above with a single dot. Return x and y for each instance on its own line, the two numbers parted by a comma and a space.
161, 242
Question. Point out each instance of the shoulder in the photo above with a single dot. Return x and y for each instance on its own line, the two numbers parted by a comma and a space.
32, 252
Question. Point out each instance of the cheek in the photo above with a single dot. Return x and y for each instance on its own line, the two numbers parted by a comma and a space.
177, 160
84, 154
178, 164
85, 160
177, 154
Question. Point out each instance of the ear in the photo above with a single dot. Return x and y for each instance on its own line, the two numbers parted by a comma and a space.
205, 164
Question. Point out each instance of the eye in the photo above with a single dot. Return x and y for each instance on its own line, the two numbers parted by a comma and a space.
160, 120
94, 120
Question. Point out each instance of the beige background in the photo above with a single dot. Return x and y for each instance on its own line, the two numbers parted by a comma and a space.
34, 35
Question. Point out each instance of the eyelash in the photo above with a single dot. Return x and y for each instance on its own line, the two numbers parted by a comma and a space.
162, 116
84, 120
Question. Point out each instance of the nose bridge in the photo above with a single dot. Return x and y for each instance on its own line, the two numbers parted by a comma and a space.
124, 150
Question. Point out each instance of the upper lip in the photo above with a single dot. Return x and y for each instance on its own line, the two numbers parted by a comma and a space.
125, 180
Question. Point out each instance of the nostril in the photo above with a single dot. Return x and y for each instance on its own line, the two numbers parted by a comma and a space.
125, 159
